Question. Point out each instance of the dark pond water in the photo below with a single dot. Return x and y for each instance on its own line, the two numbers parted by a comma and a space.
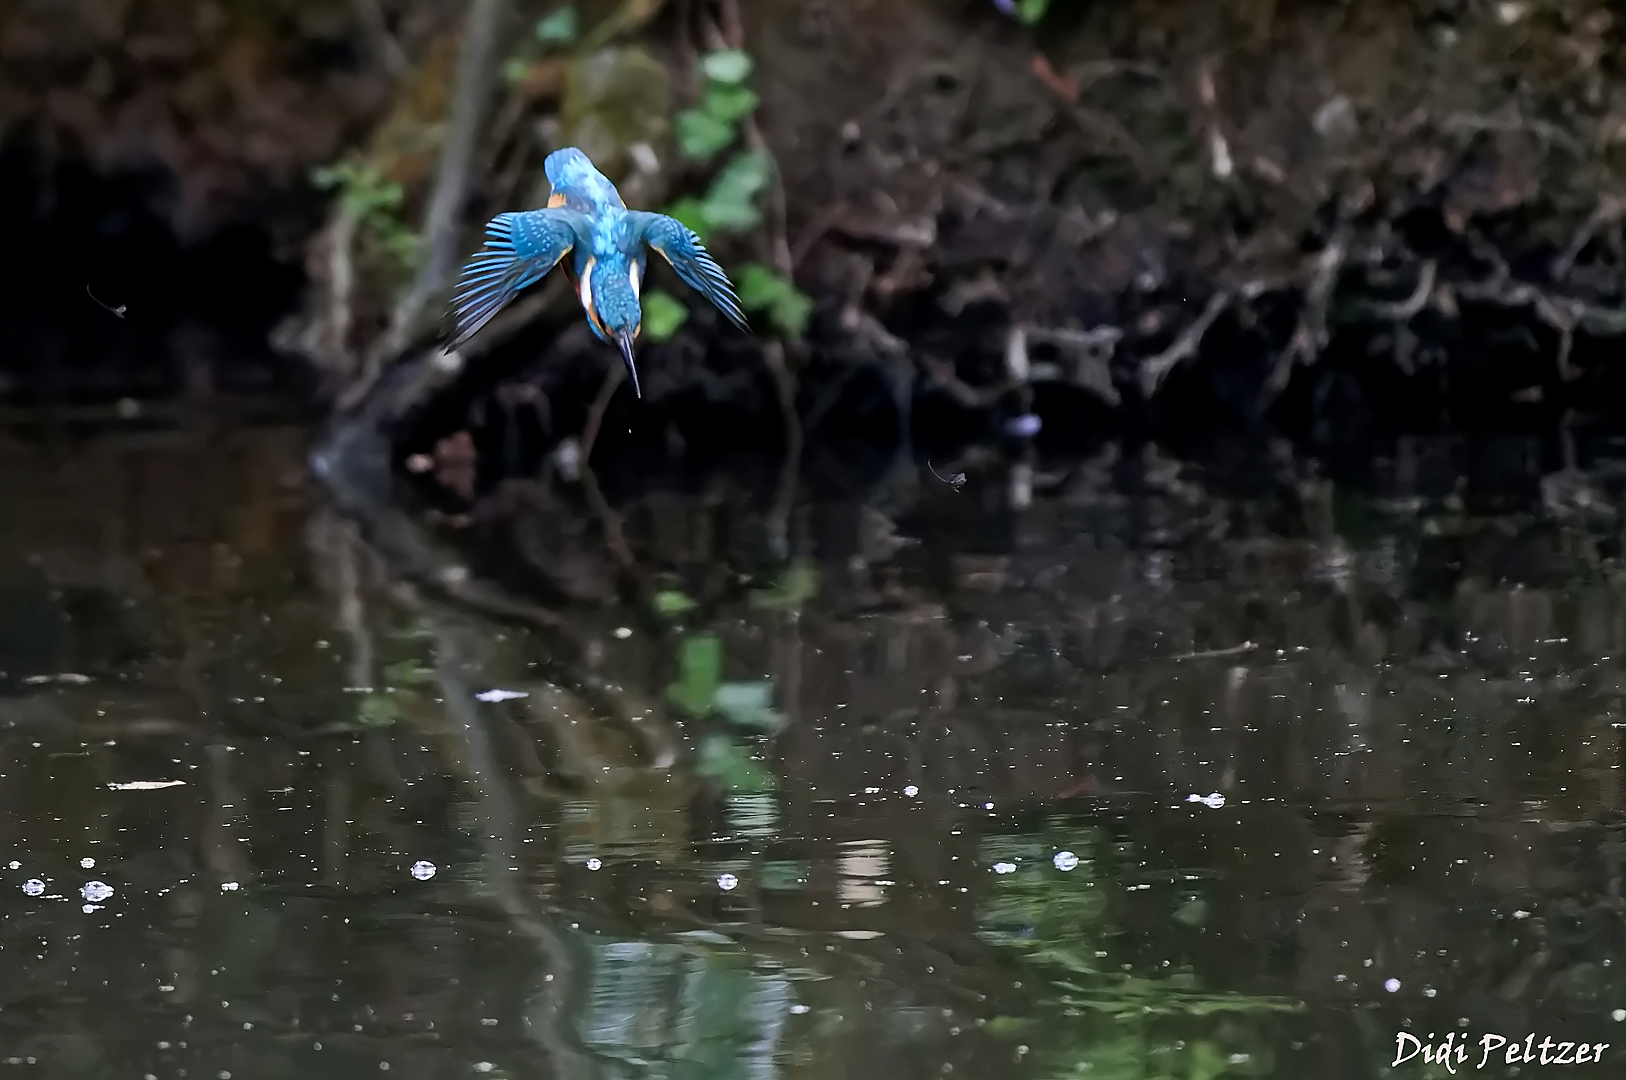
1096, 769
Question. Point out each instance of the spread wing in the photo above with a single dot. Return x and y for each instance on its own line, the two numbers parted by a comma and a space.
520, 250
678, 245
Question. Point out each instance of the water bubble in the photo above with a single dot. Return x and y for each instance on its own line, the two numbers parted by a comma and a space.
595, 864
1004, 868
1391, 985
34, 887
15, 865
87, 863
727, 882
911, 791
95, 891
229, 886
1065, 860
1618, 1015
799, 1010
1213, 801
423, 870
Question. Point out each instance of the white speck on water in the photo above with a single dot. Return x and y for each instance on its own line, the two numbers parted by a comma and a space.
1429, 991
34, 887
911, 791
96, 891
483, 1066
1213, 801
595, 863
1065, 860
727, 882
799, 1010
1391, 985
87, 863
15, 865
1521, 914
229, 886
423, 870
501, 695
1004, 868
1618, 1015
147, 785
622, 633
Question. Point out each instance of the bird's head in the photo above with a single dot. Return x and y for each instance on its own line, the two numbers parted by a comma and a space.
610, 288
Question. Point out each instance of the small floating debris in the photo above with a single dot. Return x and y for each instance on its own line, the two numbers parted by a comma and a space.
34, 887
595, 863
1065, 861
86, 863
147, 785
1213, 801
95, 891
727, 882
229, 886
1004, 868
423, 870
500, 695
1392, 985
71, 677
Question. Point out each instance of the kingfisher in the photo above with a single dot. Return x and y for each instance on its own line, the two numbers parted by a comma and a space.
586, 218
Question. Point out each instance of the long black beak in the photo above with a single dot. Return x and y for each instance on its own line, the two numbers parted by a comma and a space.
624, 339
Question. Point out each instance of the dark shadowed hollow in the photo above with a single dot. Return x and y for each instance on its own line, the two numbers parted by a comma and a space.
1168, 623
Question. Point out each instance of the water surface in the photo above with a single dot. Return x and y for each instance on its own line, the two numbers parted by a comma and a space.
1104, 768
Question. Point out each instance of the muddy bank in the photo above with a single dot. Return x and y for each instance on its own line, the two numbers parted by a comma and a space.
1398, 216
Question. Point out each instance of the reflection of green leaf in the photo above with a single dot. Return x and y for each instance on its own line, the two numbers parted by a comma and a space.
406, 673
1192, 912
700, 135
746, 704
727, 65
670, 602
700, 669
796, 586
664, 316
378, 710
784, 875
729, 104
1031, 11
731, 767
560, 28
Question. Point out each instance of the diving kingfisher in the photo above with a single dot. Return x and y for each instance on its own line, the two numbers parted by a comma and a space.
585, 214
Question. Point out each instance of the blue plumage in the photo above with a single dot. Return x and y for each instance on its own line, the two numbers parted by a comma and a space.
586, 217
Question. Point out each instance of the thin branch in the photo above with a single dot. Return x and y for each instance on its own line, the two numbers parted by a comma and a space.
476, 78
1155, 368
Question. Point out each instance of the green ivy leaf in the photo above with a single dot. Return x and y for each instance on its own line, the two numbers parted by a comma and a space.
731, 202
669, 602
759, 286
729, 104
732, 768
700, 135
700, 670
560, 28
762, 288
790, 315
727, 65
